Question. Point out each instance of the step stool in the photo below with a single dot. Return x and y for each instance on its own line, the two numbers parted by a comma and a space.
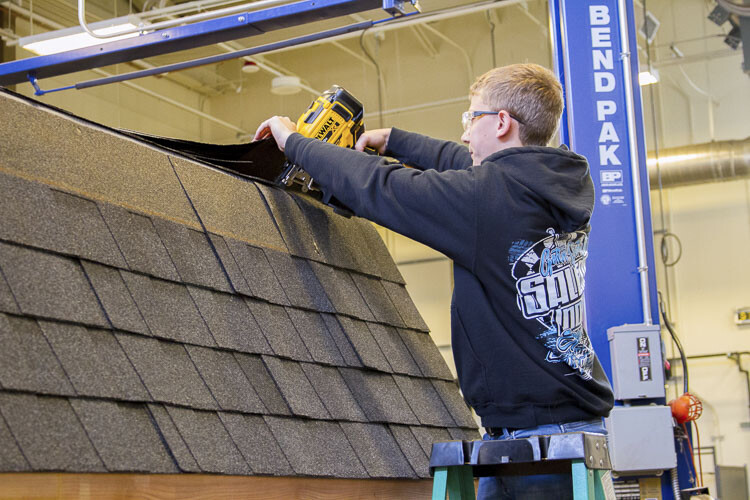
455, 464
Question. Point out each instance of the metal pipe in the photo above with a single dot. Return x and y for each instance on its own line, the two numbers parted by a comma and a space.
216, 58
634, 165
700, 163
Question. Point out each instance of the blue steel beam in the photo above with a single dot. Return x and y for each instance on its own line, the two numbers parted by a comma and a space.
181, 38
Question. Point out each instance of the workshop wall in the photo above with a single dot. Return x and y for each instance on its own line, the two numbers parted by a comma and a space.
702, 97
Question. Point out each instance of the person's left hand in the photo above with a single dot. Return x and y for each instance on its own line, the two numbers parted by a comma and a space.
280, 127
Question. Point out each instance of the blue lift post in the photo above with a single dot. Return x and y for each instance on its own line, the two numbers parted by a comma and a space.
187, 37
603, 121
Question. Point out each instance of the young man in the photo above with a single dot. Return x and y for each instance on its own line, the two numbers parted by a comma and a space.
513, 215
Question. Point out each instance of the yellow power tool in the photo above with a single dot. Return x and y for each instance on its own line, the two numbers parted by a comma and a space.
335, 117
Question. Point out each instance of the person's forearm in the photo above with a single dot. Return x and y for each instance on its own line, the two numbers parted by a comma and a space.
408, 201
425, 153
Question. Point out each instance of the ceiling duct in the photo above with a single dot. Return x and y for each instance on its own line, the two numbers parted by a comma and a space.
701, 163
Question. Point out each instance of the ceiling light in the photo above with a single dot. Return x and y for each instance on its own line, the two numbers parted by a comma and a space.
53, 42
250, 67
286, 85
648, 77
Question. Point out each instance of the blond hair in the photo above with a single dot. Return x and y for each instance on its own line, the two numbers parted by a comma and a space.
527, 91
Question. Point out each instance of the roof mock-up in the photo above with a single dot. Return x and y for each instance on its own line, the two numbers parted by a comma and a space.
158, 315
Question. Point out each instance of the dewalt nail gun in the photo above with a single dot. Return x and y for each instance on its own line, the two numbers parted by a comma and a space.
336, 117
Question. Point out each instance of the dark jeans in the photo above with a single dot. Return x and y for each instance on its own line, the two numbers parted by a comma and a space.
538, 487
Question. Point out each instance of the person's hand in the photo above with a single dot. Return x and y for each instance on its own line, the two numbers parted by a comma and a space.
280, 127
376, 139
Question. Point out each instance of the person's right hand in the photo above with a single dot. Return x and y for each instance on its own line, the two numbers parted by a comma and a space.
376, 139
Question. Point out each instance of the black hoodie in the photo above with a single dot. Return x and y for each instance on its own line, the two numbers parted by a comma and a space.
516, 228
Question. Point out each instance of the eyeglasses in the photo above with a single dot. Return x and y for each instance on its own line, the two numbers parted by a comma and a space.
467, 117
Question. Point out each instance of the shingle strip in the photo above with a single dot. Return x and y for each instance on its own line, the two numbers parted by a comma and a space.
259, 378
35, 215
342, 291
424, 401
172, 439
37, 421
378, 252
228, 204
139, 242
316, 448
464, 434
257, 271
405, 306
342, 341
167, 371
115, 297
85, 234
377, 299
168, 309
398, 356
192, 255
94, 362
364, 344
378, 396
209, 441
7, 301
88, 159
334, 393
133, 446
226, 380
426, 354
26, 360
336, 237
230, 321
455, 403
11, 458
295, 228
28, 210
296, 388
314, 333
299, 282
411, 449
279, 330
378, 450
256, 443
50, 286
426, 436
230, 265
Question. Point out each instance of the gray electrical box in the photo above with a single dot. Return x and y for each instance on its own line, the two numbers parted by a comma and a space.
641, 439
637, 366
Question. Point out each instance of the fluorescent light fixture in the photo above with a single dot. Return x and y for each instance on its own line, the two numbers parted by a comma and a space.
53, 42
648, 77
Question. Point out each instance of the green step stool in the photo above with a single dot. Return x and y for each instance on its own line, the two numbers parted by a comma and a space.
455, 464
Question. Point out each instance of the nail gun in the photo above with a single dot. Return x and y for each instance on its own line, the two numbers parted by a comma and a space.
336, 117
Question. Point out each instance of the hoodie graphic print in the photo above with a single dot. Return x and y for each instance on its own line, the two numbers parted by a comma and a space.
549, 278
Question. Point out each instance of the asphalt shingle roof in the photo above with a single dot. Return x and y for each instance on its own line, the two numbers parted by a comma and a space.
160, 316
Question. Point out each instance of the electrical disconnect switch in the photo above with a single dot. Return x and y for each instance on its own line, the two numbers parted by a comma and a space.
637, 364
